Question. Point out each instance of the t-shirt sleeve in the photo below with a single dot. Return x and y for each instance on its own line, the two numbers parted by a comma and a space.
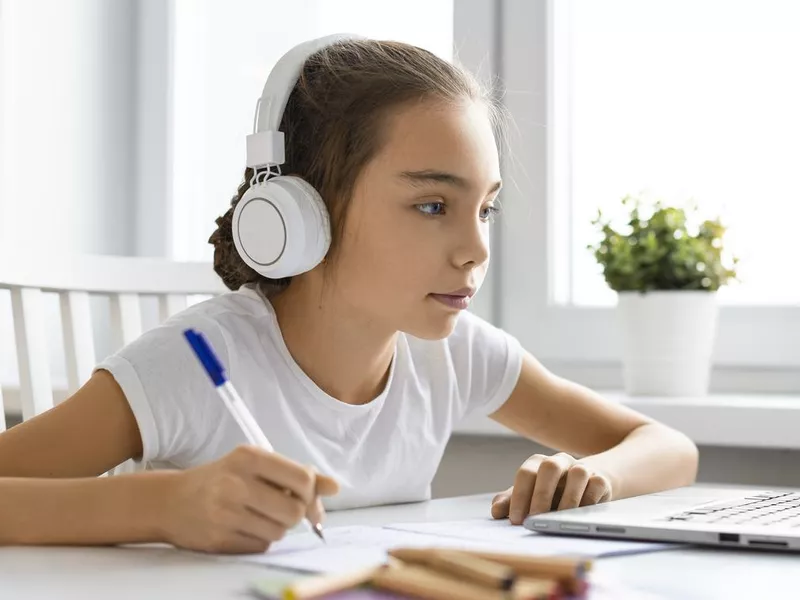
487, 363
172, 399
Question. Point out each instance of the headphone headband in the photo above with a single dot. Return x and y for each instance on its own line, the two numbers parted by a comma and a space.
281, 225
265, 146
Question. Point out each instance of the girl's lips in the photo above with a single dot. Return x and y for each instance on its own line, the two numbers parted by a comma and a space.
465, 291
459, 302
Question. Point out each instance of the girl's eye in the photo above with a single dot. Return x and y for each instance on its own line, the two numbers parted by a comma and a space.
433, 209
490, 212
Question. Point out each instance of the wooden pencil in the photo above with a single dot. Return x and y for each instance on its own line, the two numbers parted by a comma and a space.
428, 584
459, 564
531, 588
554, 567
314, 587
570, 572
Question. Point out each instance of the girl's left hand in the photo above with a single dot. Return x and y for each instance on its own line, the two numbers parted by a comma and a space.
545, 483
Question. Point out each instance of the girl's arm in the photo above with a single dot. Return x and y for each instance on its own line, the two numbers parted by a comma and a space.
49, 493
42, 499
90, 511
623, 453
86, 435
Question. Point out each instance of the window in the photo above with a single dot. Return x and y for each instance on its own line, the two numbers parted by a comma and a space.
681, 99
687, 99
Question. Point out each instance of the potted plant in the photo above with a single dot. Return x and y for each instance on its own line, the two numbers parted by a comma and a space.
666, 267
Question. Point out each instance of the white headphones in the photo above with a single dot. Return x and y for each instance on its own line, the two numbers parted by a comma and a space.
281, 226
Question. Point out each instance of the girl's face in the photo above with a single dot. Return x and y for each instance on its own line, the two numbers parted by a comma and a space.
418, 225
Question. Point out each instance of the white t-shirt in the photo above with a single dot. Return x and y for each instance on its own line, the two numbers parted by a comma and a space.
385, 451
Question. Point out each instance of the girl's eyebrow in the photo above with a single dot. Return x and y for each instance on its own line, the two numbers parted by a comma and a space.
429, 176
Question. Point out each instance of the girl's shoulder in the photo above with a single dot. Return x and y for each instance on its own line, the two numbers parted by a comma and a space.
176, 408
232, 313
244, 302
226, 320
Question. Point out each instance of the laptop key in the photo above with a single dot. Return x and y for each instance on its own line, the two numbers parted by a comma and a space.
703, 519
765, 510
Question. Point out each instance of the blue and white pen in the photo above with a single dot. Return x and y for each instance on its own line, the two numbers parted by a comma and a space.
233, 401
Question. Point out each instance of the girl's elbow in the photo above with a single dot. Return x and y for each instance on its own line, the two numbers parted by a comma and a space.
689, 458
684, 456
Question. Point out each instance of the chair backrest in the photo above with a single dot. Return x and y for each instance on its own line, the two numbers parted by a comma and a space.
124, 280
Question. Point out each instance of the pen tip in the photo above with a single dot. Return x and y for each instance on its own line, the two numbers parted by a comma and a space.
318, 530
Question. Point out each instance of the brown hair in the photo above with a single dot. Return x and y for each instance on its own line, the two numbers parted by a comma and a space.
332, 127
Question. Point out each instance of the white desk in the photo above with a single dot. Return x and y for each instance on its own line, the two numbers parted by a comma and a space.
163, 573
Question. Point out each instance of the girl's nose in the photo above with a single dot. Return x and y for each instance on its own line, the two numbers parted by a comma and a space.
473, 246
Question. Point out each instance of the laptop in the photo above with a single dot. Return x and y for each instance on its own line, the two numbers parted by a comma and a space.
716, 516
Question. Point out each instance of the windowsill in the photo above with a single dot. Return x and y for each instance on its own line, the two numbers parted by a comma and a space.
734, 420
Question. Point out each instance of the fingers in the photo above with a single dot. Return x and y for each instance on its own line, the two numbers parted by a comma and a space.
524, 483
279, 471
577, 481
241, 531
259, 527
545, 483
268, 501
501, 504
326, 486
598, 489
239, 543
558, 493
270, 476
316, 512
548, 477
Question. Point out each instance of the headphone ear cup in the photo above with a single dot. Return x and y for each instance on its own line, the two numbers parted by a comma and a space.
281, 227
316, 220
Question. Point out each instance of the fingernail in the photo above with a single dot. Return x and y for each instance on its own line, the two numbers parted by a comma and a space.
516, 516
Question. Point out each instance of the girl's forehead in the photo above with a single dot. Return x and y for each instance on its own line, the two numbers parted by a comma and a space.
443, 137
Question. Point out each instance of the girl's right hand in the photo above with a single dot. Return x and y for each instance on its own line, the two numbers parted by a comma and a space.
242, 502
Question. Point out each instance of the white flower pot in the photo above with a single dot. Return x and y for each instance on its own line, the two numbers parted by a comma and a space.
667, 341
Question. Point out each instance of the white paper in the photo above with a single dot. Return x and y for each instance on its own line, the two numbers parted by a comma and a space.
347, 548
471, 529
501, 533
363, 546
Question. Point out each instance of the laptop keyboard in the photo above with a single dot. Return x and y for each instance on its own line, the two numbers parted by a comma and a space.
767, 509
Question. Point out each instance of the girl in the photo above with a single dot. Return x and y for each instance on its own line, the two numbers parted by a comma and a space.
357, 369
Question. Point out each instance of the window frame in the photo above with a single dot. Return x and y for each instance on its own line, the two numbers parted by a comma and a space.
534, 35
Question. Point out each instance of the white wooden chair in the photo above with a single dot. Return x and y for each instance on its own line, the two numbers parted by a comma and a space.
126, 281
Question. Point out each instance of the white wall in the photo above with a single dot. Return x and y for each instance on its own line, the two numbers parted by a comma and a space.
154, 94
3, 54
67, 132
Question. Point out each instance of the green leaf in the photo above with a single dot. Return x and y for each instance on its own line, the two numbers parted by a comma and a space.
659, 253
